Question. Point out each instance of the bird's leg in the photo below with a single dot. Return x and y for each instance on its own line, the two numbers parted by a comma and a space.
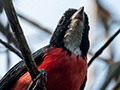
42, 75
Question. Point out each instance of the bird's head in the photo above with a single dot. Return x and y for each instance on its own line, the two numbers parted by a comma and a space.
71, 33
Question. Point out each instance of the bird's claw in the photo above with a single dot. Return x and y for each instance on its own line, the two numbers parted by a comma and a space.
40, 76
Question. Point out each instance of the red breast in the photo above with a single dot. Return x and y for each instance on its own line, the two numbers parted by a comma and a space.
64, 72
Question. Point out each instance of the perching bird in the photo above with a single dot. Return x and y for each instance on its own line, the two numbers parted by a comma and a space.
64, 59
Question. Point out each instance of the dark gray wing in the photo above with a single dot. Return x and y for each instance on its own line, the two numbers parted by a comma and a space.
18, 70
83, 85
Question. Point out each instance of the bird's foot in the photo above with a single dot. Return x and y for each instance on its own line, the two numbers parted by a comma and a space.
42, 75
33, 85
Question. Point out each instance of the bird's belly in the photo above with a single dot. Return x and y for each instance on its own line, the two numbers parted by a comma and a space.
63, 73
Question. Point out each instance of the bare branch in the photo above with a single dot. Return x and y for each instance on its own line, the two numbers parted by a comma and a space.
8, 59
26, 53
35, 24
103, 47
109, 61
104, 15
5, 31
112, 73
11, 48
117, 85
1, 7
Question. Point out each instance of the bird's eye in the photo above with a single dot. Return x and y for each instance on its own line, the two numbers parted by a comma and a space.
62, 20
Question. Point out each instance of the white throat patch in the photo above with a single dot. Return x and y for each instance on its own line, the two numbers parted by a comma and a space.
73, 36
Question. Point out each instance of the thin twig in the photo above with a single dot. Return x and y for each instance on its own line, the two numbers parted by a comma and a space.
109, 61
11, 37
8, 59
24, 48
11, 48
104, 15
113, 72
117, 85
1, 7
103, 47
35, 24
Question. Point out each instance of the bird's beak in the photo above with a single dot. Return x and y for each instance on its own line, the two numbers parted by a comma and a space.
78, 14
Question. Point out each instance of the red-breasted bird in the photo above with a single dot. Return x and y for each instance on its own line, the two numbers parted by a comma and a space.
64, 59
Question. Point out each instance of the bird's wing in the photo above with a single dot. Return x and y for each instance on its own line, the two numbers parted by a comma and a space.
83, 85
19, 69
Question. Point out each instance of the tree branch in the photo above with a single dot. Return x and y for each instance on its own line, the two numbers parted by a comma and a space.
6, 31
35, 24
103, 47
108, 61
113, 72
11, 48
24, 48
8, 59
117, 85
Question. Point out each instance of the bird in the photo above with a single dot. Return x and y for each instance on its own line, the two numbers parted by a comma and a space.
64, 59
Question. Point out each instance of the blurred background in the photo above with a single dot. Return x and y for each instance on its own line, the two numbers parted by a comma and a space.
39, 19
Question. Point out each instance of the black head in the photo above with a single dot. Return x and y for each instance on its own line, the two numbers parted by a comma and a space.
71, 33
